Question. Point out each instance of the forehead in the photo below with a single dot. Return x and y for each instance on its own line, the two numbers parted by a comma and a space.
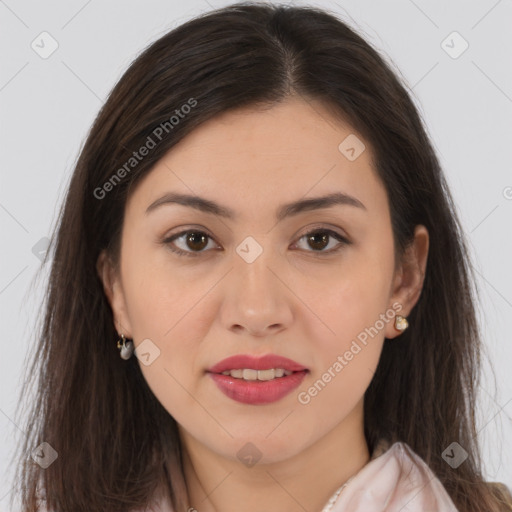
292, 130
247, 157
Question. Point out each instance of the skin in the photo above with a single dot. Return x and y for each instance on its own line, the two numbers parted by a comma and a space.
293, 300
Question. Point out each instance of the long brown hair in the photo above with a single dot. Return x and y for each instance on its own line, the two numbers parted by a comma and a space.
115, 442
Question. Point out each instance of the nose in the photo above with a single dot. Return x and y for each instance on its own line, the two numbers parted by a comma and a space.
256, 300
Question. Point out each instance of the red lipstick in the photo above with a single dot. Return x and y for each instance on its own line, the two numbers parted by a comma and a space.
255, 392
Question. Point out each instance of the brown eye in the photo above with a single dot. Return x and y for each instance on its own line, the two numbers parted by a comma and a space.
196, 240
191, 243
319, 239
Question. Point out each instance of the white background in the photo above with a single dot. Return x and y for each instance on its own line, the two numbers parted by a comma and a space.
48, 105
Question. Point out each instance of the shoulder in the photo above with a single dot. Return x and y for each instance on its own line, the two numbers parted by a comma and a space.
408, 458
413, 482
395, 479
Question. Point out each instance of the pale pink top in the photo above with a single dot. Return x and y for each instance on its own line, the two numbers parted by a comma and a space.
397, 480
394, 480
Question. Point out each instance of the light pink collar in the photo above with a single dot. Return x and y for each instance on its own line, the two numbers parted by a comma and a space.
395, 480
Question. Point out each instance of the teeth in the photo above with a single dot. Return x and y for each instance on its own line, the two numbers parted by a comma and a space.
250, 374
253, 374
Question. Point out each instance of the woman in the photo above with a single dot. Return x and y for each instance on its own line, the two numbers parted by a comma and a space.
260, 291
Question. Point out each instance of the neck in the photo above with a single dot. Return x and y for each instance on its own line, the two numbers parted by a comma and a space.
304, 481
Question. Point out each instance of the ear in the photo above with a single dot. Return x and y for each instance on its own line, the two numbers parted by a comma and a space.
408, 279
112, 286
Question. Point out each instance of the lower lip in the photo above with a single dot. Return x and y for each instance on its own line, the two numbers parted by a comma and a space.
257, 392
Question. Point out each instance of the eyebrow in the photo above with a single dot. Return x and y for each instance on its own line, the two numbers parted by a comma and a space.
285, 210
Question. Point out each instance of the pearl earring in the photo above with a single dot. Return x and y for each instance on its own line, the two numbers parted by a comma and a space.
126, 348
401, 323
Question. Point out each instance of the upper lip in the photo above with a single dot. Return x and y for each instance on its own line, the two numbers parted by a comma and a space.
265, 362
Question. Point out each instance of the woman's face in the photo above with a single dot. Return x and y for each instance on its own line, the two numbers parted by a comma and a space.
255, 283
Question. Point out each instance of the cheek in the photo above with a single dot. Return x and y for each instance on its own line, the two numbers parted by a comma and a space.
353, 299
354, 312
165, 307
156, 295
345, 359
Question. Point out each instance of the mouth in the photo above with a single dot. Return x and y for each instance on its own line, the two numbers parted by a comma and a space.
256, 380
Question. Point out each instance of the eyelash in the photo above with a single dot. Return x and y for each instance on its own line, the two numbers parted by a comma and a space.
343, 241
